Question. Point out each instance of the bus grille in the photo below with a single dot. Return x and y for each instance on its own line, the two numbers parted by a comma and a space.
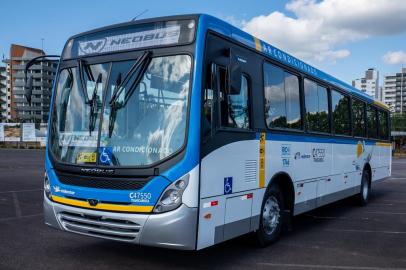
101, 182
97, 226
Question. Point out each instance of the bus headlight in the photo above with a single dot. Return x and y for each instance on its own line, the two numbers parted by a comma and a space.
171, 198
47, 186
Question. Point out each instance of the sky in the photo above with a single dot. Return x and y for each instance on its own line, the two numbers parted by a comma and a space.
340, 37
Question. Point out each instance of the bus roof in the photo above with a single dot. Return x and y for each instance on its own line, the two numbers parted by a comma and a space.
209, 22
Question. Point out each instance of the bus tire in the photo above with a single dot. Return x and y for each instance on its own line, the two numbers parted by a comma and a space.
365, 189
271, 218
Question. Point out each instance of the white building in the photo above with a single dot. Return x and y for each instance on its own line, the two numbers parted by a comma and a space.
369, 84
394, 91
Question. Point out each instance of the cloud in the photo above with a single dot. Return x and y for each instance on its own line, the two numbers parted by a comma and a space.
317, 30
395, 58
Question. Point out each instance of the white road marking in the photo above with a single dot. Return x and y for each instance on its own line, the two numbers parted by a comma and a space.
26, 216
339, 218
394, 201
16, 204
363, 231
385, 213
23, 190
321, 266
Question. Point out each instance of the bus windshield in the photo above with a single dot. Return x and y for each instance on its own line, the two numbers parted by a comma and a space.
125, 116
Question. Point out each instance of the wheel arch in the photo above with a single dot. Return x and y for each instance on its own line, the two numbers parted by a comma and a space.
285, 183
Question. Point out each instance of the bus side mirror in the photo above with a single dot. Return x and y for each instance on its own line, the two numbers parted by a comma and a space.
234, 74
28, 89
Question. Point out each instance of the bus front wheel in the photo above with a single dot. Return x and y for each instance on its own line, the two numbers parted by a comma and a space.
365, 189
271, 220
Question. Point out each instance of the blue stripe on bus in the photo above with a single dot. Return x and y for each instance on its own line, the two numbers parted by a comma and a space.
314, 139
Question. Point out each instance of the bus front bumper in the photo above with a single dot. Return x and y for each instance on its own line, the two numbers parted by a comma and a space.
175, 229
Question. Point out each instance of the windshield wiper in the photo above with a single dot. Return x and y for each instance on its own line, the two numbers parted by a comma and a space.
112, 117
138, 70
93, 101
93, 104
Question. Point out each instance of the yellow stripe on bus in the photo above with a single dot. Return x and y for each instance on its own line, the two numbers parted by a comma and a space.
262, 141
103, 206
383, 144
381, 104
258, 44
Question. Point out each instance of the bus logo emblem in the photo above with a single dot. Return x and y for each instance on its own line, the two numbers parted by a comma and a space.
318, 154
92, 46
93, 202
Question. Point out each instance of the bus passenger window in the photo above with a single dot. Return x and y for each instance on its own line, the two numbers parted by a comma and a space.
317, 113
383, 125
341, 113
282, 98
234, 108
359, 118
372, 125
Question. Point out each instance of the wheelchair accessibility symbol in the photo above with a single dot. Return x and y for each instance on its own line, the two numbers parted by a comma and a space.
228, 185
105, 155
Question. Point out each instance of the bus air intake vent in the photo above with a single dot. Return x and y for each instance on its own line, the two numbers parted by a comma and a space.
251, 167
103, 182
98, 226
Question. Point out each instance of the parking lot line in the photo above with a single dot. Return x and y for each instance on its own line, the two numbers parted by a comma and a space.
363, 231
393, 201
16, 205
321, 266
385, 213
23, 190
25, 216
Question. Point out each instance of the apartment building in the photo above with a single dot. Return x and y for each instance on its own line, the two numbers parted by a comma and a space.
394, 91
369, 83
43, 75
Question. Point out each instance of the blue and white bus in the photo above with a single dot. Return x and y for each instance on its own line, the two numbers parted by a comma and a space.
183, 132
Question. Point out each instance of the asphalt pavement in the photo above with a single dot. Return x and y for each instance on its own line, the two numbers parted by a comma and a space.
338, 236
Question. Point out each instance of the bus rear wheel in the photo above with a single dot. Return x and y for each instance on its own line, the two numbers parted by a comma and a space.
365, 189
271, 220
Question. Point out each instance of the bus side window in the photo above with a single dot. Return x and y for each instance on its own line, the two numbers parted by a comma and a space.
234, 109
341, 113
282, 98
358, 109
372, 122
383, 125
317, 112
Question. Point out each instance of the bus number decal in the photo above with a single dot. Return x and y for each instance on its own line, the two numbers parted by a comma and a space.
143, 197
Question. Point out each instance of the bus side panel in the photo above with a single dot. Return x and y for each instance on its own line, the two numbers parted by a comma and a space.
236, 163
346, 177
384, 169
307, 162
230, 171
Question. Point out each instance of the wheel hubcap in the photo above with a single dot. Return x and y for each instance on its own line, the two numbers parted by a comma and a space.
271, 215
